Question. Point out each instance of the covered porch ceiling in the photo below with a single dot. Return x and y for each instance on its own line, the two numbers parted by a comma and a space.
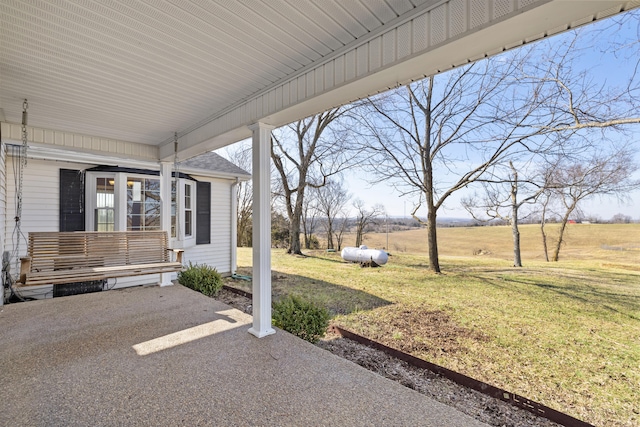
122, 76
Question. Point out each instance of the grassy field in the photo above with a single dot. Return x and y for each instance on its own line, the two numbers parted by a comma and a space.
565, 334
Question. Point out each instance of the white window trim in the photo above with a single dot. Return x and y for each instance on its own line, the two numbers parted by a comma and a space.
125, 189
120, 202
91, 199
181, 241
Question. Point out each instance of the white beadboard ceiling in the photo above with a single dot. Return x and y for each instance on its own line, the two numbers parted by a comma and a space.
139, 70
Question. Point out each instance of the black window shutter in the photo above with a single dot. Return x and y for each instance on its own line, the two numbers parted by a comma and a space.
203, 213
71, 200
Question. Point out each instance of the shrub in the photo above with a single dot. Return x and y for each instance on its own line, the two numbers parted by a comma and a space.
302, 318
202, 278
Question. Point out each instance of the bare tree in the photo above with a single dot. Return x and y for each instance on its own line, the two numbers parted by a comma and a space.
437, 136
340, 227
364, 218
502, 201
620, 218
240, 155
577, 110
546, 200
309, 218
331, 200
603, 174
306, 154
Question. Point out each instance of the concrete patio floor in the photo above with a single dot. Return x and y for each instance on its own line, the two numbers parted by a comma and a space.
154, 356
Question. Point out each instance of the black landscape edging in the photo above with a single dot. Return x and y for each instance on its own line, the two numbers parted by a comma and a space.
521, 402
238, 291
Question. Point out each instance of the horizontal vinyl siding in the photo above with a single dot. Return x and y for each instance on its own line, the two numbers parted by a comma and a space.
40, 212
218, 253
40, 198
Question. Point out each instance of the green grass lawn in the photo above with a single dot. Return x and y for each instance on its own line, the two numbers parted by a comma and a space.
564, 334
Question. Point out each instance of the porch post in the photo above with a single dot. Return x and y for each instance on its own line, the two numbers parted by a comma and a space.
261, 230
165, 207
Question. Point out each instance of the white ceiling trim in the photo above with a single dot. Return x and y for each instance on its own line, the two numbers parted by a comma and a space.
12, 134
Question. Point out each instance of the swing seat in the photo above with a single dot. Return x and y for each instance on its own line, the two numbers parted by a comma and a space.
67, 257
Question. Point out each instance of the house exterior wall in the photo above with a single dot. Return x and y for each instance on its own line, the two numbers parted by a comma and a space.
218, 253
40, 212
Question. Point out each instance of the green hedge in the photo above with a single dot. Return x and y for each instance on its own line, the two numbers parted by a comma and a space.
302, 318
201, 278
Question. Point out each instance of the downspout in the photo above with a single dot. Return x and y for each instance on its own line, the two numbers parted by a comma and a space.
234, 225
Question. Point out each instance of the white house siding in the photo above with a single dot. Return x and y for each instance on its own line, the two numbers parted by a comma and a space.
218, 253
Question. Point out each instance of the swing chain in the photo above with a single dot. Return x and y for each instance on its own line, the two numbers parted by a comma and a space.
23, 164
178, 193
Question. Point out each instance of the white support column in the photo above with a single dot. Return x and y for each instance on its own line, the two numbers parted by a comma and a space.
261, 230
165, 206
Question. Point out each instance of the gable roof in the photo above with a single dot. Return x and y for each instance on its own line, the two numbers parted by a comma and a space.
212, 162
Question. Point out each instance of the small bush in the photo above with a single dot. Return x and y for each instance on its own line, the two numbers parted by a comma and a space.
201, 278
302, 318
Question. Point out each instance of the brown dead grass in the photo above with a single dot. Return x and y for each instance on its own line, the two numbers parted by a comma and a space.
419, 329
608, 243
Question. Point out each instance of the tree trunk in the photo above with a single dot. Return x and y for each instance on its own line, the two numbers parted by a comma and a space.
543, 222
294, 236
544, 241
329, 235
432, 240
358, 235
294, 226
563, 226
517, 260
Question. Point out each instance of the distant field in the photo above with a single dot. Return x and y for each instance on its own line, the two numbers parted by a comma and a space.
599, 242
565, 334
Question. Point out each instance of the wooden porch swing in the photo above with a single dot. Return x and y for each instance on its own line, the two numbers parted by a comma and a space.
78, 256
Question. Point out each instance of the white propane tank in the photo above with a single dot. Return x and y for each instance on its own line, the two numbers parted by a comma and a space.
364, 254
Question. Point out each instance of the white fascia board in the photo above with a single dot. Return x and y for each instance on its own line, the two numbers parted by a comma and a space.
44, 152
214, 174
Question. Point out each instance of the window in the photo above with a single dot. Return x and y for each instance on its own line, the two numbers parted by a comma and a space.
185, 205
104, 212
143, 204
126, 199
188, 212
